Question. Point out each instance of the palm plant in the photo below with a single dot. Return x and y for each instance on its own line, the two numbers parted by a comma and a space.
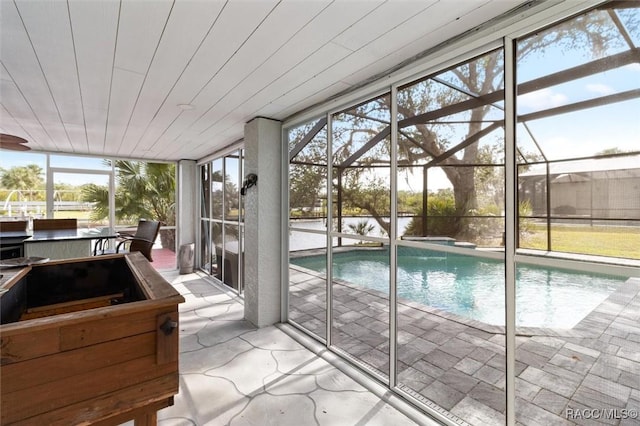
144, 190
361, 228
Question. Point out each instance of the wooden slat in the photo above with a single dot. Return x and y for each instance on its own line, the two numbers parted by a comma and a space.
23, 346
57, 366
106, 329
136, 413
151, 282
110, 405
76, 318
70, 331
82, 388
13, 276
72, 306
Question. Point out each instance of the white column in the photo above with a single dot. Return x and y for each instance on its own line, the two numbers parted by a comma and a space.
262, 205
186, 219
187, 202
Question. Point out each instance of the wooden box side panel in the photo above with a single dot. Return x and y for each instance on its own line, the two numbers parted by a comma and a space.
153, 285
27, 345
13, 301
102, 360
40, 371
36, 338
130, 402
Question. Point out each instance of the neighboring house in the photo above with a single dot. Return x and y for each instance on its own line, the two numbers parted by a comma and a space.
597, 188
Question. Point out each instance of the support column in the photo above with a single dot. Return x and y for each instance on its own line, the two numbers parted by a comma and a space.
186, 216
262, 218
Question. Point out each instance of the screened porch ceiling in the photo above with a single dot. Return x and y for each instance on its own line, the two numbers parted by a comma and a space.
169, 80
536, 157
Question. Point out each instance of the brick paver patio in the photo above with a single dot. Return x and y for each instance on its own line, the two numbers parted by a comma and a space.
459, 365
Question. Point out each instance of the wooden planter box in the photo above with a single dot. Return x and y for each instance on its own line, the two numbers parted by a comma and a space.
86, 341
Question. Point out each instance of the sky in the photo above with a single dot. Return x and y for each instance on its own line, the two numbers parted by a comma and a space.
10, 159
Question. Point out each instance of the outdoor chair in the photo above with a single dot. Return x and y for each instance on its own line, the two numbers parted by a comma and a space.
13, 226
141, 241
54, 224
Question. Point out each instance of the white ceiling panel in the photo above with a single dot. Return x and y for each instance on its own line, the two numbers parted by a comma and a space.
279, 71
452, 22
94, 25
105, 77
304, 71
188, 82
286, 83
277, 26
234, 27
240, 62
16, 109
379, 22
50, 35
139, 30
10, 125
124, 90
186, 28
23, 68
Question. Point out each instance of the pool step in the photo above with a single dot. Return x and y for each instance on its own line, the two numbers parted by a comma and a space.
447, 241
465, 244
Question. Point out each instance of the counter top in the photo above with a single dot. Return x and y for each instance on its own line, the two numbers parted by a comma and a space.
70, 234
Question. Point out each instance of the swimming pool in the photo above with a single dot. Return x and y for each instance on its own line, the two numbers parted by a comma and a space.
473, 287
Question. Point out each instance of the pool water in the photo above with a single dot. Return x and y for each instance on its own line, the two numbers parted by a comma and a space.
473, 287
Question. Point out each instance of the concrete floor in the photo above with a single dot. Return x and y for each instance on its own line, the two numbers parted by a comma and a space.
234, 374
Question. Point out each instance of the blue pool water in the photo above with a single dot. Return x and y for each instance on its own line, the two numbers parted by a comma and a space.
473, 287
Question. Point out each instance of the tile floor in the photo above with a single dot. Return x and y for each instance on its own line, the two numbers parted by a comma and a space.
234, 374
460, 364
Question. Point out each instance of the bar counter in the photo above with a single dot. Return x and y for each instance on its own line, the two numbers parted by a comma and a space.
64, 243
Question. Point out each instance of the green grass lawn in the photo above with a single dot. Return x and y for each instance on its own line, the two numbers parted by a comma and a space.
597, 240
603, 241
71, 214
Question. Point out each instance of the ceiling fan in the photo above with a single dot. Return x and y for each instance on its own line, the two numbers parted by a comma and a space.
13, 143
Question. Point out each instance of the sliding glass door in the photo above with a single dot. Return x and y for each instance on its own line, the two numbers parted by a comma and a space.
221, 242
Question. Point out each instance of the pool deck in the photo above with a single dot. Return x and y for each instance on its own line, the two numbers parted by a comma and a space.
459, 365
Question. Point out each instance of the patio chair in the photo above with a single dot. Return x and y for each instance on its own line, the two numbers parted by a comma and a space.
141, 241
54, 224
13, 226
